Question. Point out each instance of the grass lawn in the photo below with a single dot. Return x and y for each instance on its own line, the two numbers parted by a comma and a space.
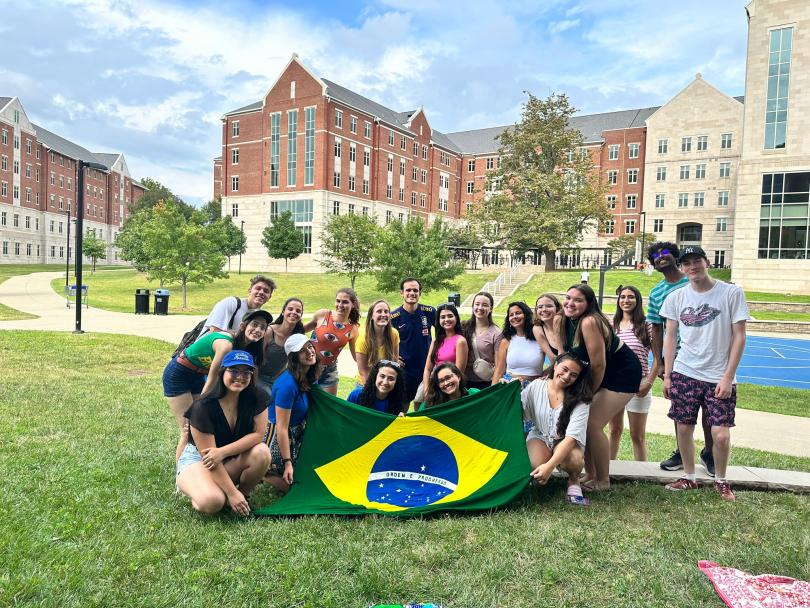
89, 517
777, 315
10, 270
116, 290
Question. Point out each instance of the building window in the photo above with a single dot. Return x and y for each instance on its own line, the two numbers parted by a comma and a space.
684, 172
353, 124
301, 209
471, 165
442, 204
631, 201
335, 207
424, 176
415, 148
612, 178
424, 152
699, 198
389, 216
613, 153
632, 176
235, 156
658, 225
352, 183
403, 144
702, 143
306, 234
402, 167
722, 198
390, 165
663, 146
338, 147
275, 148
683, 199
69, 182
725, 144
28, 170
490, 163
4, 165
339, 119
686, 144
235, 128
16, 220
470, 187
414, 173
366, 157
16, 249
292, 147
413, 199
629, 226
776, 108
389, 191
367, 130
610, 226
234, 183
632, 150
720, 258
309, 146
365, 186
660, 201
352, 153
721, 224
336, 179
700, 171
401, 195
661, 174
422, 201
390, 137
351, 208
234, 209
5, 137
725, 169
784, 220
611, 201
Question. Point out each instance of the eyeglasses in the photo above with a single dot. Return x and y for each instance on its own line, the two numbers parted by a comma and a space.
660, 253
240, 373
446, 380
393, 364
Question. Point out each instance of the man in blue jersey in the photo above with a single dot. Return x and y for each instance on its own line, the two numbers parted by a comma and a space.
413, 321
664, 258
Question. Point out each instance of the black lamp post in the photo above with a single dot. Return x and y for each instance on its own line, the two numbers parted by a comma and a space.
67, 252
242, 230
82, 165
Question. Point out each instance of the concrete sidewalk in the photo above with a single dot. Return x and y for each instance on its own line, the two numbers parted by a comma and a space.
32, 293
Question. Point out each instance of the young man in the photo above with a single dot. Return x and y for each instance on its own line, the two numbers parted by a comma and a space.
260, 291
664, 258
709, 317
413, 321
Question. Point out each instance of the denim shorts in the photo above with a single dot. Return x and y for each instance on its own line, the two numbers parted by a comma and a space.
329, 376
178, 380
191, 455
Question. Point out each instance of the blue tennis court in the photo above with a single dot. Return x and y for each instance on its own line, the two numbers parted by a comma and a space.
775, 362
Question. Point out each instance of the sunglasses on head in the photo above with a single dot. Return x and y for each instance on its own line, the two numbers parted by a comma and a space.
660, 253
571, 355
388, 362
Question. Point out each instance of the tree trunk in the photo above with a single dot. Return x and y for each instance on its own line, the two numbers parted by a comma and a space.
550, 262
285, 265
183, 283
354, 278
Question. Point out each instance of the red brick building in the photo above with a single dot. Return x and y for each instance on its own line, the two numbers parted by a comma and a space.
316, 148
38, 190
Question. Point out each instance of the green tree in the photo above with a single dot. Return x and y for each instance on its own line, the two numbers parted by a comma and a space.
629, 242
131, 240
156, 192
94, 248
282, 239
409, 249
544, 192
348, 243
467, 243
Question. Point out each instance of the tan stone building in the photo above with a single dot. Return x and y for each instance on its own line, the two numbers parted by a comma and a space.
691, 165
771, 240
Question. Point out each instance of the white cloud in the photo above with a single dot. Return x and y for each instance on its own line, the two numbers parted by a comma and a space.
558, 27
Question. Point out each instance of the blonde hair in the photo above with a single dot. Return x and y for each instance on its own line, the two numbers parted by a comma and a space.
374, 342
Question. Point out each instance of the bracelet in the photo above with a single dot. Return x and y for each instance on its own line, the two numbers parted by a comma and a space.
285, 460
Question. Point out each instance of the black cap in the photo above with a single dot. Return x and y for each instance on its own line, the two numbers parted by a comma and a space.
263, 314
691, 250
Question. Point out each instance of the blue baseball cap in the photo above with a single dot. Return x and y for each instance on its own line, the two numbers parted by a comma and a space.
237, 357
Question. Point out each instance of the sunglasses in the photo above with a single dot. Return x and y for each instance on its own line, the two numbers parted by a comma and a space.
240, 373
660, 253
571, 355
393, 364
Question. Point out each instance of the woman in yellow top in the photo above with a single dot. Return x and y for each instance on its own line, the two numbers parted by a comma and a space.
377, 341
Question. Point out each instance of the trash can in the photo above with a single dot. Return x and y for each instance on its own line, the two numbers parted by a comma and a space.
161, 301
141, 301
454, 298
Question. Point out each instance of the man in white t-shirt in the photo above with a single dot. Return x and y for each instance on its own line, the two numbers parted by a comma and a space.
709, 316
260, 291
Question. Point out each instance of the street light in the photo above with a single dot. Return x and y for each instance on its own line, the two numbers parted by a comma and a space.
82, 165
242, 230
67, 257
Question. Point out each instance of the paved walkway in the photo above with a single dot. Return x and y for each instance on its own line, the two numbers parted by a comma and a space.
32, 293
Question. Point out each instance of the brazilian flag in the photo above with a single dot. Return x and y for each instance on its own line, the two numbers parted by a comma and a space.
468, 454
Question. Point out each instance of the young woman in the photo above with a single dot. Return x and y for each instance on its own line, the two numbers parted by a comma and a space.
519, 355
615, 373
558, 408
633, 329
376, 341
546, 307
333, 330
225, 458
184, 378
449, 344
288, 410
446, 383
275, 359
384, 390
483, 338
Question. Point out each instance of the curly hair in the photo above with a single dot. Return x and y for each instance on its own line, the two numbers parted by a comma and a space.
528, 321
658, 245
397, 402
433, 394
579, 392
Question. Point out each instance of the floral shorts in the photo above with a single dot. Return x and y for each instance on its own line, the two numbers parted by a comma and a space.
687, 395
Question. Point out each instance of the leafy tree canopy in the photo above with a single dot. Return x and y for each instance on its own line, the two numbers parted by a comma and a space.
282, 239
348, 243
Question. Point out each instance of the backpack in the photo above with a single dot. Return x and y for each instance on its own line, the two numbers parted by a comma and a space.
191, 336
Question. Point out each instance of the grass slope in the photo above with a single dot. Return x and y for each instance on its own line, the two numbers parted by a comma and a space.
89, 517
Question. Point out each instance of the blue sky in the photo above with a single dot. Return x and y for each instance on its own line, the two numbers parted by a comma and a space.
152, 79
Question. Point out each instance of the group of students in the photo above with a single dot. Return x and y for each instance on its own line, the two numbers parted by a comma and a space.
240, 393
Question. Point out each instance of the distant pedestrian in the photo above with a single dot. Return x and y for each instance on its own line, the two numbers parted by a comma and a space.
332, 330
709, 317
584, 277
219, 319
414, 322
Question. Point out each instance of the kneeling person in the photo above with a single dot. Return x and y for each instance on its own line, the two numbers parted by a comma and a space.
559, 407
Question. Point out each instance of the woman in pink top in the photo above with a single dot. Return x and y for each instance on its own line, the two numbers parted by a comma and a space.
449, 343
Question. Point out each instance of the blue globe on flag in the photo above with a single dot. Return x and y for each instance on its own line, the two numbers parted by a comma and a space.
413, 472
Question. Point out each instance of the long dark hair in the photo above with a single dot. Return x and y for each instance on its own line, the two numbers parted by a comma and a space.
579, 392
637, 316
433, 394
299, 327
219, 390
396, 398
554, 299
354, 313
240, 342
528, 321
468, 326
592, 310
440, 333
305, 380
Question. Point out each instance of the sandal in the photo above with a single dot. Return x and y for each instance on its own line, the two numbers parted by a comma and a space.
579, 501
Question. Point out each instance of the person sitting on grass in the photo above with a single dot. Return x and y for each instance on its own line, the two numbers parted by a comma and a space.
288, 410
558, 408
384, 390
225, 458
196, 369
446, 383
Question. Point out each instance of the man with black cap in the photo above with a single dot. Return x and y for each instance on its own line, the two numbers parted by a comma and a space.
709, 318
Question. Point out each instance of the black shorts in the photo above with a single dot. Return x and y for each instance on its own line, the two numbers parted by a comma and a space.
622, 372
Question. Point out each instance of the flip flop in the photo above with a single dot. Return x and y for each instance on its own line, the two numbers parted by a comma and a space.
579, 501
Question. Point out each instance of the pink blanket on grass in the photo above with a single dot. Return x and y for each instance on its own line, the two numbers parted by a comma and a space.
739, 589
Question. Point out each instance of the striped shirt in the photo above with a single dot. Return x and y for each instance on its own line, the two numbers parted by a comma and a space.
657, 296
629, 337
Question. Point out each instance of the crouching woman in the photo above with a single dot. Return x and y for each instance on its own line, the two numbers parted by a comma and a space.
225, 457
558, 406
